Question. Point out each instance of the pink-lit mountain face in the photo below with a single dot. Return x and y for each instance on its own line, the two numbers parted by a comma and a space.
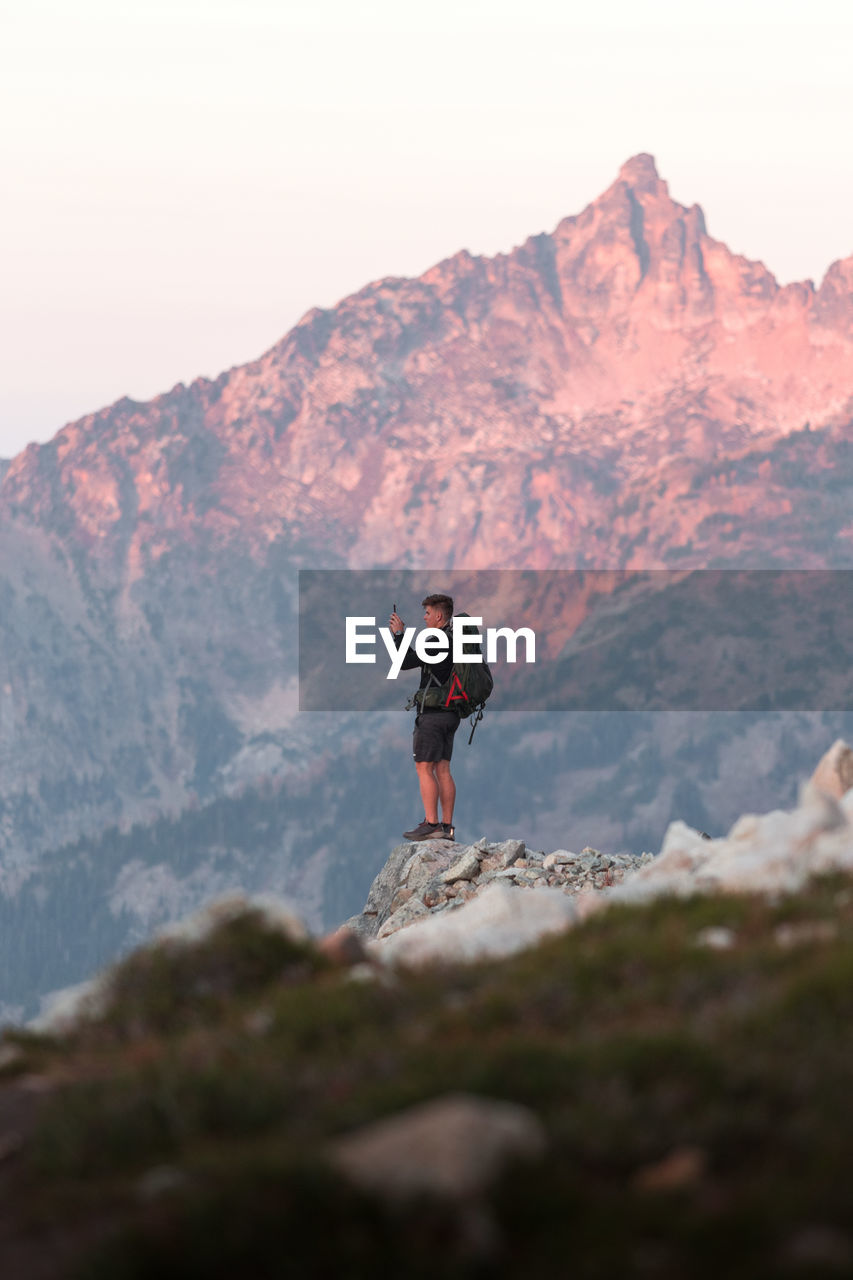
625, 390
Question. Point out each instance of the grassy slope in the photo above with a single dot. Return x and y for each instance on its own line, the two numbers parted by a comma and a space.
232, 1064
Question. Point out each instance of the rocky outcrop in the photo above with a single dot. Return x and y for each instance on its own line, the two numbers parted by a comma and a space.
433, 876
449, 915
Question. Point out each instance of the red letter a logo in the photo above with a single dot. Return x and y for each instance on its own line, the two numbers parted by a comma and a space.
456, 691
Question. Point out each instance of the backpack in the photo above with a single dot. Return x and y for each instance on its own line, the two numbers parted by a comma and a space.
465, 690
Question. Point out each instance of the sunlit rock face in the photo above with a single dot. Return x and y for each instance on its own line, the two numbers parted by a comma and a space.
570, 401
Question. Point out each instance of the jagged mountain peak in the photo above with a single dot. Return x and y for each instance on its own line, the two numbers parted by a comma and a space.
640, 172
625, 342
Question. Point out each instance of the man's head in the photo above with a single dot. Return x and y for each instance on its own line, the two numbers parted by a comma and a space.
438, 610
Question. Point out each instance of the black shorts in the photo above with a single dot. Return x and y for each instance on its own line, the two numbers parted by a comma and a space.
432, 739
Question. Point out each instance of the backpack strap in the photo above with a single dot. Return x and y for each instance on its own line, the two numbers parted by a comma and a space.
417, 698
476, 719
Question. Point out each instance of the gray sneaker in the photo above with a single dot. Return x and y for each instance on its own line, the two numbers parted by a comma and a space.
425, 831
449, 831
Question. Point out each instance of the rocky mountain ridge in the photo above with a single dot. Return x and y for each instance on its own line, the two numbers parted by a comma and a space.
434, 903
618, 356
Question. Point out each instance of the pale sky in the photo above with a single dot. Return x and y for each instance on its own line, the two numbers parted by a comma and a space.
183, 179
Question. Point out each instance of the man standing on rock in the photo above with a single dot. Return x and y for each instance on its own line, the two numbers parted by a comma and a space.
432, 741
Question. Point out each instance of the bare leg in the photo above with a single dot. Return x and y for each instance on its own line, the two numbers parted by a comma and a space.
429, 788
446, 790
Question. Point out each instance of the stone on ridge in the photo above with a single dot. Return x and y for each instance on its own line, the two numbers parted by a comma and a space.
411, 910
558, 858
465, 869
510, 851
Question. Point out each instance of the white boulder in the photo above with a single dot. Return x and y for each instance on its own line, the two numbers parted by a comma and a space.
498, 922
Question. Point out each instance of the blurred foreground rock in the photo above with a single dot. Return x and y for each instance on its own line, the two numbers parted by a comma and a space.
62, 1010
834, 773
453, 1146
497, 922
770, 853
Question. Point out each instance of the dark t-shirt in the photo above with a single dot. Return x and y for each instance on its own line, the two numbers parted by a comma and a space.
440, 671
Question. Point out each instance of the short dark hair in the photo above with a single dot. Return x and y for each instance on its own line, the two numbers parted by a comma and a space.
439, 601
